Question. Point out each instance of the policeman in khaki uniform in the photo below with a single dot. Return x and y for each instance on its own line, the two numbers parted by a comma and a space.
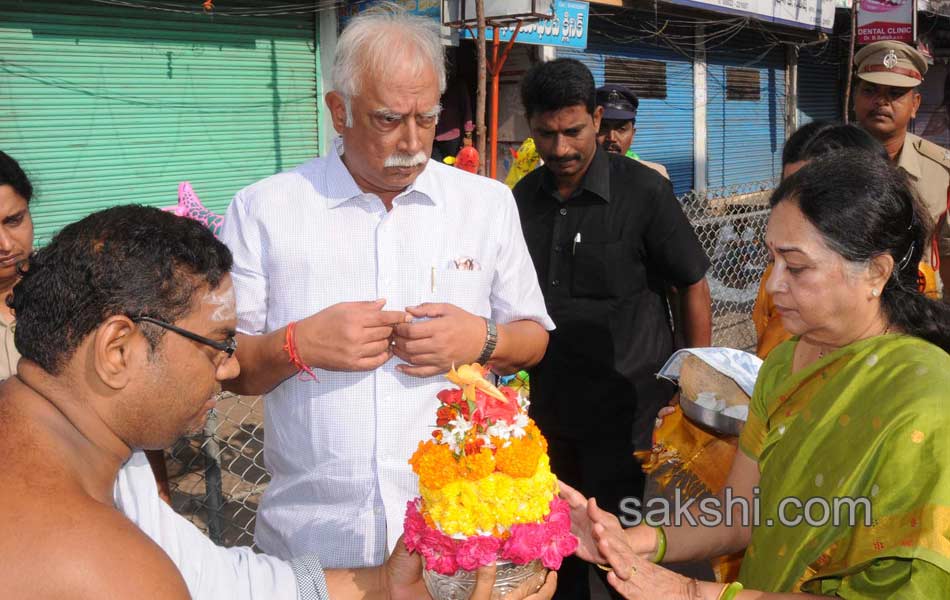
885, 100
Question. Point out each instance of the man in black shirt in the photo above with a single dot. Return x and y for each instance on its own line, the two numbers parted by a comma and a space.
607, 238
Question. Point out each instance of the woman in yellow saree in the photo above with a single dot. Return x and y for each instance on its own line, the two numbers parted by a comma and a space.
850, 418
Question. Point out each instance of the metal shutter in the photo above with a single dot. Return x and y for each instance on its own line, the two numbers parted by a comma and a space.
107, 105
664, 126
819, 88
745, 137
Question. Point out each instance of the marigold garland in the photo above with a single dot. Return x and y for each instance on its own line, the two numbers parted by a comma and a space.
519, 458
434, 464
490, 504
477, 465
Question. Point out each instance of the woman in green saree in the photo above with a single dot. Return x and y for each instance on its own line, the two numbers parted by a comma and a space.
849, 419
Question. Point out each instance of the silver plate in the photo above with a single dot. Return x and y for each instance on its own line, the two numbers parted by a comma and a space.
711, 419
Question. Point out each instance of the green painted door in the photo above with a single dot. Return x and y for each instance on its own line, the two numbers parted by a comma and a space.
105, 105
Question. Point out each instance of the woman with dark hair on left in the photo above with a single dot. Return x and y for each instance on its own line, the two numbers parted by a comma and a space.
16, 242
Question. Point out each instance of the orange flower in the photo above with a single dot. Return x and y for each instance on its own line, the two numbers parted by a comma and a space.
477, 465
434, 464
444, 414
473, 444
520, 457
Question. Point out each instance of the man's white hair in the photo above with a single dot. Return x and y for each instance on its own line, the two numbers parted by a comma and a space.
379, 39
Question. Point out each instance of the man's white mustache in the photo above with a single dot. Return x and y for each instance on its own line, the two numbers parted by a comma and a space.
406, 160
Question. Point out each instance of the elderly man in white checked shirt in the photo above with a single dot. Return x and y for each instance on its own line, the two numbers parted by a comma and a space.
361, 278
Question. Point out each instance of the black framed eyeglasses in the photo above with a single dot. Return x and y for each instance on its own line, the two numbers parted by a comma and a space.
228, 346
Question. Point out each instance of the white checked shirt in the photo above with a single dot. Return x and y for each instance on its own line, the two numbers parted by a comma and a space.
309, 238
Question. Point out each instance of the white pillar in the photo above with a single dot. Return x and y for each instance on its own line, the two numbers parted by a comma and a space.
700, 99
327, 24
791, 90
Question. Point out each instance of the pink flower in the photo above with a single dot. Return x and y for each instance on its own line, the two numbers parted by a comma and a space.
477, 551
560, 516
438, 550
525, 543
493, 409
414, 526
549, 541
556, 548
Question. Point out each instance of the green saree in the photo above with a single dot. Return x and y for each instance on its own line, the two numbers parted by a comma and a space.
871, 420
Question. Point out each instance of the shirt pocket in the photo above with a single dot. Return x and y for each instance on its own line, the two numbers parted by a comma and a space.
603, 270
469, 290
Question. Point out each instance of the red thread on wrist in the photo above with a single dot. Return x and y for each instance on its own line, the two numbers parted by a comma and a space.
304, 372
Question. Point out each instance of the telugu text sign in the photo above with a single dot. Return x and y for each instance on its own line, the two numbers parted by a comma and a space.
567, 28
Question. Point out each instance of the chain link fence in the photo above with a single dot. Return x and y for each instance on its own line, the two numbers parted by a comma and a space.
217, 478
730, 223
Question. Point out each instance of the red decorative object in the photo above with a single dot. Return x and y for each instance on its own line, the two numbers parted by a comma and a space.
467, 159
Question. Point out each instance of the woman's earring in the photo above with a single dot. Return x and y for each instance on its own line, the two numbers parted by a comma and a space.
874, 292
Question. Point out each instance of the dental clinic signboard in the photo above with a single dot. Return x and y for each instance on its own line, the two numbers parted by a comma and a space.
565, 28
886, 20
806, 14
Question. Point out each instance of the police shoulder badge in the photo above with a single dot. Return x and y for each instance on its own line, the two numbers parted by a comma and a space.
890, 59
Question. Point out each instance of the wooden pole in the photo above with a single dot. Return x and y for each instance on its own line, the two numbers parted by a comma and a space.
854, 35
482, 84
497, 64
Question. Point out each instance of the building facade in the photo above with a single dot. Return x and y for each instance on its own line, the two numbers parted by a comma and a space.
105, 104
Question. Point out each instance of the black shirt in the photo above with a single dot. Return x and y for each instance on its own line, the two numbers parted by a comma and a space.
604, 258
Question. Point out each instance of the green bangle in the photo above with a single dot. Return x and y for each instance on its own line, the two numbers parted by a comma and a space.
729, 592
660, 545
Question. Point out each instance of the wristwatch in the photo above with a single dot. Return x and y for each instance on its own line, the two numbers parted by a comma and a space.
491, 340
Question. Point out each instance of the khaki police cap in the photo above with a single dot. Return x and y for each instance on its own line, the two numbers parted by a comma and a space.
890, 63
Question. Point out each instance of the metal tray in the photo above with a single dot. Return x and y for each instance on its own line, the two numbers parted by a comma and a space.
710, 419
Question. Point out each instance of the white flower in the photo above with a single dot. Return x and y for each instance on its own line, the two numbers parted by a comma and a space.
500, 430
459, 426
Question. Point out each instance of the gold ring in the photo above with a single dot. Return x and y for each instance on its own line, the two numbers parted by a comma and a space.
633, 568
